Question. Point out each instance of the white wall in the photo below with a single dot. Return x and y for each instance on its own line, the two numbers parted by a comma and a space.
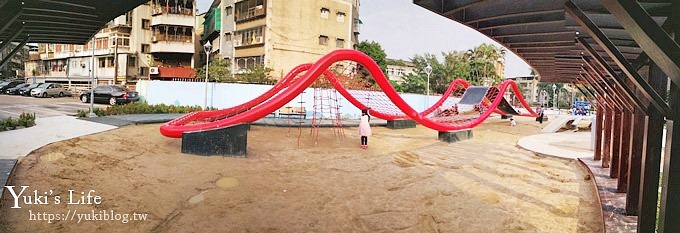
223, 95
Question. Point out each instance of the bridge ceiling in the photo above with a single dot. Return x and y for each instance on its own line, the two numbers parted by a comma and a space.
542, 33
58, 21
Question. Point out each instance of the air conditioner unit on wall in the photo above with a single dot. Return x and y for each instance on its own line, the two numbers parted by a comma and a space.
153, 70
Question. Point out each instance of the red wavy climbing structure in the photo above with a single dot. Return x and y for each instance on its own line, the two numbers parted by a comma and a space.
382, 98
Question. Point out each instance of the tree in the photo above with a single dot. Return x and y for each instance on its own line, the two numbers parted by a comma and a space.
482, 61
218, 70
376, 52
258, 74
547, 87
477, 66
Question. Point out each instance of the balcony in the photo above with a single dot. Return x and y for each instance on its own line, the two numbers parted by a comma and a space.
257, 40
172, 16
157, 10
251, 13
172, 44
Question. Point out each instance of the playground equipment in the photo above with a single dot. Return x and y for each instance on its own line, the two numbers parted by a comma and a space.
374, 92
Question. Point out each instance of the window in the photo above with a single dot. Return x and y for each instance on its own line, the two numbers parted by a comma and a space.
324, 13
132, 61
110, 60
172, 33
146, 24
340, 43
249, 62
227, 36
249, 36
128, 18
323, 40
340, 17
144, 71
227, 11
146, 48
102, 62
249, 9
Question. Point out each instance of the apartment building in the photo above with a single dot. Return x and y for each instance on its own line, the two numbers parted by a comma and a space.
154, 40
528, 85
15, 67
279, 34
398, 69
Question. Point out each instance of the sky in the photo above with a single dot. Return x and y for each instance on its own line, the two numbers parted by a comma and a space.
404, 29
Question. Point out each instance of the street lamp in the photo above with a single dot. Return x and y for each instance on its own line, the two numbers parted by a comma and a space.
92, 81
554, 87
428, 71
207, 47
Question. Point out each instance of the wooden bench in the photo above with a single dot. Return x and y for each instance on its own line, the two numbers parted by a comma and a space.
293, 111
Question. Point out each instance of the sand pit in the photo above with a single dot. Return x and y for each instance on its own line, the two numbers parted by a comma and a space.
406, 181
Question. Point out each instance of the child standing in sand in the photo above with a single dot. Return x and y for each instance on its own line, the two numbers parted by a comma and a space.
364, 128
513, 123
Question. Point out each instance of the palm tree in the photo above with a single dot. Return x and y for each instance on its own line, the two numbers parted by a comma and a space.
484, 59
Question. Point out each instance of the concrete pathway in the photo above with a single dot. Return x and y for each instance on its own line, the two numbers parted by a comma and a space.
564, 145
19, 143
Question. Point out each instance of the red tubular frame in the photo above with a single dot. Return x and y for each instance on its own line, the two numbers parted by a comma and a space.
269, 101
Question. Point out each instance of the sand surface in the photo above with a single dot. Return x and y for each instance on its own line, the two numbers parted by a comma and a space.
406, 181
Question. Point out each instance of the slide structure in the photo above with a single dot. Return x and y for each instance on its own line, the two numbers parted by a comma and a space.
384, 101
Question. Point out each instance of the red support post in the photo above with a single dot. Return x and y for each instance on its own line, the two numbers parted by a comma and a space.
608, 120
625, 151
599, 130
615, 144
634, 166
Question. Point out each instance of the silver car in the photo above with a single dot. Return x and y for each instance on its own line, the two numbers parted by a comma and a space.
49, 89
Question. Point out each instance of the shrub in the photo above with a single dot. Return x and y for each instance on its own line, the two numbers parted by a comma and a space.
141, 108
25, 120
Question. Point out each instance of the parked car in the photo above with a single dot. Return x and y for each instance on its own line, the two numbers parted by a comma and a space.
15, 90
49, 89
26, 91
9, 84
110, 94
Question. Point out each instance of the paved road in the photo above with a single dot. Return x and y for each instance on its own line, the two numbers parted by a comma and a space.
12, 106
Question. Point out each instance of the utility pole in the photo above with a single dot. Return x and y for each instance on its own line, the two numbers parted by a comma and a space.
115, 60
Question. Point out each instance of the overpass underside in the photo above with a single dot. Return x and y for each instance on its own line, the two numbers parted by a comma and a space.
624, 56
52, 21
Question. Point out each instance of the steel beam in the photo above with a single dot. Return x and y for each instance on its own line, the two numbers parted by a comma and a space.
600, 91
650, 36
14, 51
532, 42
533, 34
598, 121
650, 164
516, 14
616, 143
614, 91
606, 89
613, 52
669, 212
624, 151
13, 18
607, 121
456, 9
635, 161
11, 38
660, 105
